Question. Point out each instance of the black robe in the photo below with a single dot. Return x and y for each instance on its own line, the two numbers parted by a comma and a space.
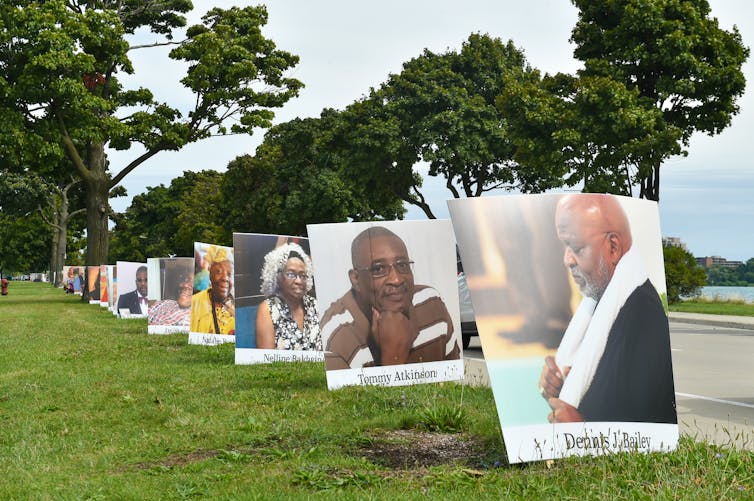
634, 378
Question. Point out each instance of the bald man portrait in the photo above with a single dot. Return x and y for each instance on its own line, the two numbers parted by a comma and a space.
385, 318
614, 362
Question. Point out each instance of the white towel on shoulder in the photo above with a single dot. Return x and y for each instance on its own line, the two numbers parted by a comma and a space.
586, 336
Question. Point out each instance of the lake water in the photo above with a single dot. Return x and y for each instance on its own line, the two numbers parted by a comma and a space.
745, 293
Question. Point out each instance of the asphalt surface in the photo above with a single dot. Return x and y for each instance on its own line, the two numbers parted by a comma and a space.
712, 368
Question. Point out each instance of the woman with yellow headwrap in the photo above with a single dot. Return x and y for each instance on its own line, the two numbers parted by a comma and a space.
212, 310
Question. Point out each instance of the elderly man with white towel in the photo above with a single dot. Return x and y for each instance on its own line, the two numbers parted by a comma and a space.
613, 363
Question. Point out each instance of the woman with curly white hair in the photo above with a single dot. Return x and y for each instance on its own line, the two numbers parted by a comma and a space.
287, 319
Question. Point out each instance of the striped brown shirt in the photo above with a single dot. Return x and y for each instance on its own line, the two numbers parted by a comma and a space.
345, 332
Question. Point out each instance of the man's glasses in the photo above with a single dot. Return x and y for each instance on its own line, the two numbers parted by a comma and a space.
379, 270
292, 275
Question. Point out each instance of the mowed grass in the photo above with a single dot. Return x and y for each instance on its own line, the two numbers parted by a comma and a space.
715, 307
91, 407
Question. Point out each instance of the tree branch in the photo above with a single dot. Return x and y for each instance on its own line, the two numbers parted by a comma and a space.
156, 44
70, 149
50, 223
77, 211
128, 168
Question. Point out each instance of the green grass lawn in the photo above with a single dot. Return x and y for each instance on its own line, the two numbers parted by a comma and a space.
91, 407
717, 307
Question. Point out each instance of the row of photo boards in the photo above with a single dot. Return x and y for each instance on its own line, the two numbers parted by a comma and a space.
568, 293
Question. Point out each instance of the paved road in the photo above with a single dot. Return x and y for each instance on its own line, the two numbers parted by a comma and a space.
713, 368
714, 382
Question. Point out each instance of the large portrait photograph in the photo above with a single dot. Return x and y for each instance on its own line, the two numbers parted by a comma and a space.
213, 313
570, 303
104, 285
388, 301
277, 317
169, 294
133, 283
74, 279
93, 283
111, 287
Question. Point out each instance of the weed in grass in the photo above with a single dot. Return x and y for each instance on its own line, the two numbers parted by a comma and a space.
190, 490
322, 478
444, 418
233, 456
450, 478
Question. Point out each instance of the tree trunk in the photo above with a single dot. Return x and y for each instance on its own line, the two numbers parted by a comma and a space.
54, 275
62, 240
97, 207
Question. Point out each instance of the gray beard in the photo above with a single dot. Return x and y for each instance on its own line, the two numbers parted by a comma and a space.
595, 290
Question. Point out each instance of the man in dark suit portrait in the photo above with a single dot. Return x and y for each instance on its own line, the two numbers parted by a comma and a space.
136, 301
614, 362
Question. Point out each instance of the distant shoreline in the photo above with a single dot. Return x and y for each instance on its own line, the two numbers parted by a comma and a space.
728, 293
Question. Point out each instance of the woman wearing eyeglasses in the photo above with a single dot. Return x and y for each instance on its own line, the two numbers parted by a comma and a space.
287, 319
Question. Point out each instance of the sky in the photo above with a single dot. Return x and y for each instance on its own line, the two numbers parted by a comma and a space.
346, 47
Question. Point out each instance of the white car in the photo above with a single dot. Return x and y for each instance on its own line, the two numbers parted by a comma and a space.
468, 323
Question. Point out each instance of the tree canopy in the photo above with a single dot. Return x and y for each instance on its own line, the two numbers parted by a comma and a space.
26, 242
683, 276
739, 276
166, 221
60, 95
441, 110
303, 173
677, 60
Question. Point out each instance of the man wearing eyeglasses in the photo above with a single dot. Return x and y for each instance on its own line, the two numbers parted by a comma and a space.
614, 362
136, 301
385, 318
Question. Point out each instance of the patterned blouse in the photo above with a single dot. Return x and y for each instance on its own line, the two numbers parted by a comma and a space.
288, 336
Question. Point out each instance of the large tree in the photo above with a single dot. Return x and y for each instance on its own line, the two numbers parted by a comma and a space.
26, 241
60, 95
55, 202
444, 108
167, 220
683, 275
303, 173
677, 59
588, 130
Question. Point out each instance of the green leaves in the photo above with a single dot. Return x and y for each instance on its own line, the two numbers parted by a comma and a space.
445, 107
61, 99
303, 173
683, 66
234, 70
683, 276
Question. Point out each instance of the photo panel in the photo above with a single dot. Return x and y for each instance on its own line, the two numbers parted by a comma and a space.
93, 283
574, 285
169, 293
388, 310
104, 287
73, 280
277, 315
133, 283
213, 319
110, 287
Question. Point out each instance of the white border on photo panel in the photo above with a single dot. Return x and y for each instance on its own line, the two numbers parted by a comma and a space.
262, 356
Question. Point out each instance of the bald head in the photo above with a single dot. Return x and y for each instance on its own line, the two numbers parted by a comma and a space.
595, 232
381, 277
360, 247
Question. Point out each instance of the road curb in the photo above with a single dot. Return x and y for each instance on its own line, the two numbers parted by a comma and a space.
714, 320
